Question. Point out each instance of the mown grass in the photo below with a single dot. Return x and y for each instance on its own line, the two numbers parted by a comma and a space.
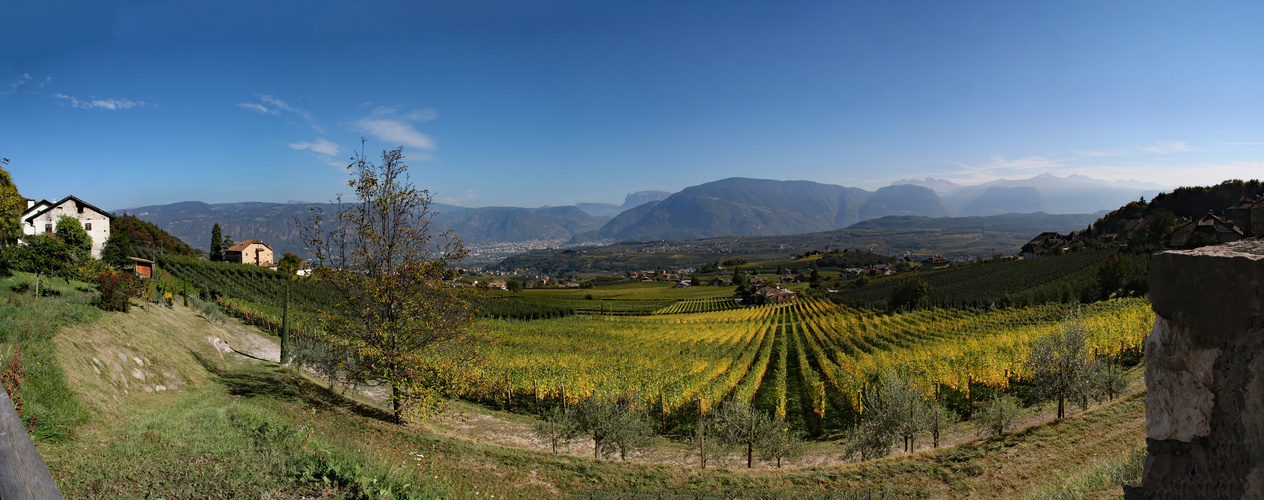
30, 323
1104, 475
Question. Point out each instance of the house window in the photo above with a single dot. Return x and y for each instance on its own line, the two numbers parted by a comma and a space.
80, 208
48, 228
87, 226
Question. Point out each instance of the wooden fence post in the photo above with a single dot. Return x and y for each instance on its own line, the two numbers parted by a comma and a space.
23, 474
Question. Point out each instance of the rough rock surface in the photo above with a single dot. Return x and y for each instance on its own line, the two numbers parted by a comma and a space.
1205, 375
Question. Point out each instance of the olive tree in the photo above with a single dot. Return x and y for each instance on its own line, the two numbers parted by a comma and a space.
893, 409
556, 428
740, 425
998, 415
616, 425
1062, 366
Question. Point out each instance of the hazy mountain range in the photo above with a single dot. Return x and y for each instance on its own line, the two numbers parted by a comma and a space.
728, 207
631, 201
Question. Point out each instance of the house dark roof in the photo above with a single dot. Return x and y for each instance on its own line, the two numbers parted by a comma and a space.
1247, 203
27, 218
245, 243
1047, 242
1209, 224
1134, 224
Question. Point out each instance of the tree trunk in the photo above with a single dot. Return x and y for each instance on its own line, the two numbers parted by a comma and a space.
285, 326
1061, 404
750, 455
396, 408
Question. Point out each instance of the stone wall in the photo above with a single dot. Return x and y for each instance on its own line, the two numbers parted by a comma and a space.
1204, 371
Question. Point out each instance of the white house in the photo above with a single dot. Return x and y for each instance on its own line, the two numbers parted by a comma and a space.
41, 217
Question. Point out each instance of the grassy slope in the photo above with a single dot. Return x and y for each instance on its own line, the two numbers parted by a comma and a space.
241, 429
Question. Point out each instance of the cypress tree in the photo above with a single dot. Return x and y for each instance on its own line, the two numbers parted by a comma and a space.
217, 244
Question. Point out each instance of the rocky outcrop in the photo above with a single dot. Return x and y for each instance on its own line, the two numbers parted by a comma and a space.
1204, 370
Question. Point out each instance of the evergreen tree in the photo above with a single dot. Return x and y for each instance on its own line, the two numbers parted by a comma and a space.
909, 294
217, 244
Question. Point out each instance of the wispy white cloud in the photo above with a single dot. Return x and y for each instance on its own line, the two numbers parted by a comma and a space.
259, 108
1164, 148
22, 80
94, 103
1184, 174
321, 146
395, 131
395, 126
470, 194
284, 106
271, 105
1108, 152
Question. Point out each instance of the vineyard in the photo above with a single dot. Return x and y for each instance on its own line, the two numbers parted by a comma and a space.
1063, 278
629, 299
685, 351
250, 283
809, 361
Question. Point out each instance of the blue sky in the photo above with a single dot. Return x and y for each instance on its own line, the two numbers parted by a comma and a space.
549, 103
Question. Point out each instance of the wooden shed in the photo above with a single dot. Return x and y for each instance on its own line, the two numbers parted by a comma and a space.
144, 268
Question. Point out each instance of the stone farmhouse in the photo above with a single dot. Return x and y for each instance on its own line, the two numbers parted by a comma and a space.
250, 252
41, 217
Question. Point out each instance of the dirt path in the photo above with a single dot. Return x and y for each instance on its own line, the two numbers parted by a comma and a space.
248, 340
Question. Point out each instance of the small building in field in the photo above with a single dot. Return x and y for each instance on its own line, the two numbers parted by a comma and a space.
143, 268
249, 251
41, 217
936, 262
776, 295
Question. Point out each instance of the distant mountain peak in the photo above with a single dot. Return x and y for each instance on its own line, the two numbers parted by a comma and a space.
940, 186
631, 201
